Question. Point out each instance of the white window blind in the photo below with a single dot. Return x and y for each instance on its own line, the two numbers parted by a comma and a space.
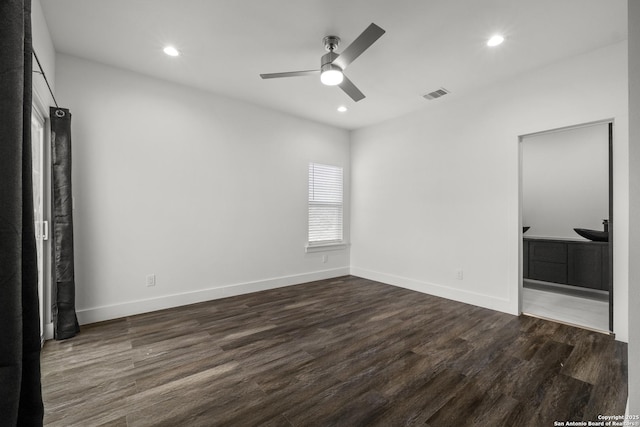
325, 203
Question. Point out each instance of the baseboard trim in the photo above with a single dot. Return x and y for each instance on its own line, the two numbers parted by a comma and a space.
130, 308
494, 303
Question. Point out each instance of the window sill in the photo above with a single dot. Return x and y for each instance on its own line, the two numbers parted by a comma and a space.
326, 247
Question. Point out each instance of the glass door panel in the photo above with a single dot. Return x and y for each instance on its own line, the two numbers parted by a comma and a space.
41, 227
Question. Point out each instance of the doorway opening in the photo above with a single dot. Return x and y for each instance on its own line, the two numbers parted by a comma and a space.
566, 220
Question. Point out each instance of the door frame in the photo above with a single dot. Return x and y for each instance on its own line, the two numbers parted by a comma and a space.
611, 225
42, 110
610, 125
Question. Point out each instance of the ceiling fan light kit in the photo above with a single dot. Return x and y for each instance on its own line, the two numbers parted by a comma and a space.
332, 64
331, 75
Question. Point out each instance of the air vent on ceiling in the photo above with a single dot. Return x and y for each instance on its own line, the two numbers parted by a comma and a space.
436, 94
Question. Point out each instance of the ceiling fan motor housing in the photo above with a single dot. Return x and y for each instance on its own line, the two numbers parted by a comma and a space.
327, 59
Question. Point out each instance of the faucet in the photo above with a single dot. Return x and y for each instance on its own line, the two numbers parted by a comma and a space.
605, 223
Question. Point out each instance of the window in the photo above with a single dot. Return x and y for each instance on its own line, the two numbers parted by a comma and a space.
325, 204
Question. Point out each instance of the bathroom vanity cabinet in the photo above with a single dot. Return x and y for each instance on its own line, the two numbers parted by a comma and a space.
568, 262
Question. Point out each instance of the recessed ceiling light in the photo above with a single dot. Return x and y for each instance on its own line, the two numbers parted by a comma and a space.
342, 109
495, 40
171, 51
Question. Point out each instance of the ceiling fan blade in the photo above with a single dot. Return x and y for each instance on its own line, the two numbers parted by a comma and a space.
359, 45
290, 74
350, 89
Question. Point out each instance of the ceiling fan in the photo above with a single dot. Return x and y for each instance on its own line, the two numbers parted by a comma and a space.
333, 64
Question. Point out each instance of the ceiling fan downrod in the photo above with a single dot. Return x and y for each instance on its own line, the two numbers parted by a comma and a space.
331, 43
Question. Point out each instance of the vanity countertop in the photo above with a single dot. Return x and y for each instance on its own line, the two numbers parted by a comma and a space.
561, 240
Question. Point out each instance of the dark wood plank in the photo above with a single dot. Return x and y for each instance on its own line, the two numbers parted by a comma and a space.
345, 351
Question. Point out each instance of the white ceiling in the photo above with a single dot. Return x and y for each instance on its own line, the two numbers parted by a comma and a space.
428, 44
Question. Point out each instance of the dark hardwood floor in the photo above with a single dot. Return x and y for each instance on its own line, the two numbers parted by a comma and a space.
346, 351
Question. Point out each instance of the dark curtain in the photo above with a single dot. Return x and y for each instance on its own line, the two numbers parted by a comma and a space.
65, 322
20, 389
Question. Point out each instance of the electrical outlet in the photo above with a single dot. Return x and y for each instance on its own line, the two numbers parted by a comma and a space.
151, 279
459, 274
325, 258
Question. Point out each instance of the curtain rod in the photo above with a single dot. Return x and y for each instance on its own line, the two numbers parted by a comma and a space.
45, 78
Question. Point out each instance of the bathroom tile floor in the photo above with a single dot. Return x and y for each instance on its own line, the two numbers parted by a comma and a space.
591, 313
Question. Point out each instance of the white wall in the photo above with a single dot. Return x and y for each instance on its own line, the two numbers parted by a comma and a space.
634, 211
438, 190
565, 181
43, 46
208, 193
